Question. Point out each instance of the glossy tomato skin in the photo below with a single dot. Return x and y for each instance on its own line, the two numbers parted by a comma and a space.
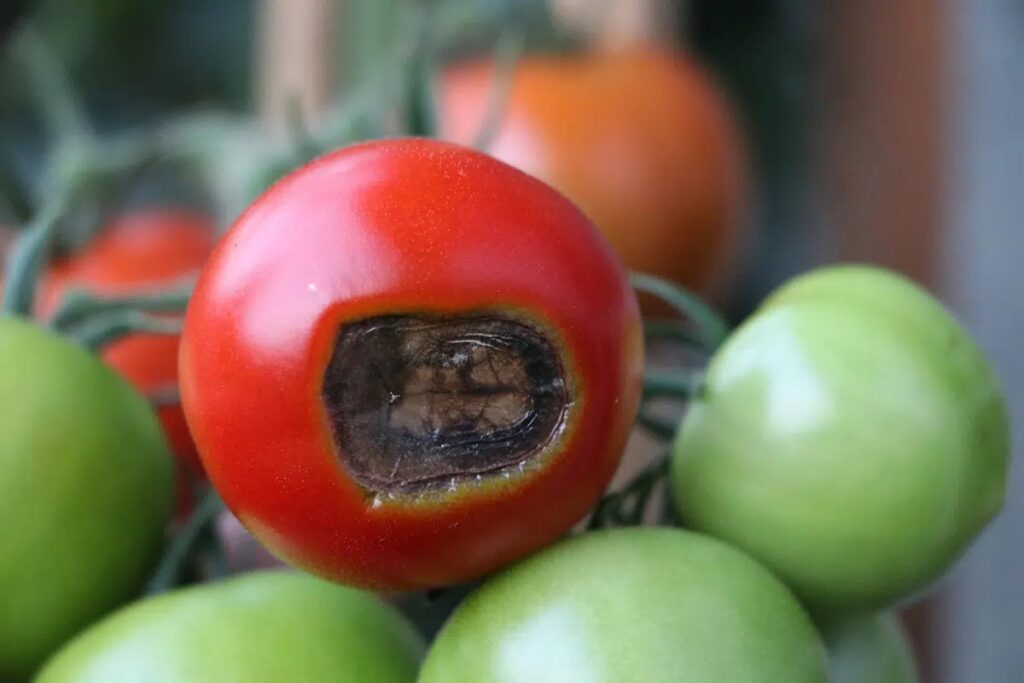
377, 229
641, 139
650, 605
85, 493
265, 626
851, 436
142, 250
869, 649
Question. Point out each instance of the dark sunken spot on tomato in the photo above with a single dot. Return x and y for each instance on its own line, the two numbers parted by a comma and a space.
418, 401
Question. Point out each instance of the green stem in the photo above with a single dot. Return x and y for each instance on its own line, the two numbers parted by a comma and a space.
671, 330
214, 554
634, 498
421, 115
183, 547
59, 104
26, 260
685, 385
15, 199
303, 146
627, 506
506, 56
101, 330
712, 329
658, 427
79, 305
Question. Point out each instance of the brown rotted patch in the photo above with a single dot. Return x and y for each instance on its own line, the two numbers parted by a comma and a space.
416, 401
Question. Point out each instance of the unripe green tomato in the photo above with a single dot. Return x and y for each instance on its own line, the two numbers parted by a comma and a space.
871, 649
630, 606
265, 627
851, 436
86, 487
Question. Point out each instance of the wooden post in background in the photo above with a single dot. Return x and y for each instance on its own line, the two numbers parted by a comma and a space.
296, 58
620, 23
884, 101
882, 156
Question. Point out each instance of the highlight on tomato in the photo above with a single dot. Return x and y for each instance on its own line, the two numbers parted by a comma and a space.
409, 364
141, 251
86, 488
638, 604
850, 435
641, 139
265, 626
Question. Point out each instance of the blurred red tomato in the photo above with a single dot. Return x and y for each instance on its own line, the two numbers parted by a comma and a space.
141, 251
642, 140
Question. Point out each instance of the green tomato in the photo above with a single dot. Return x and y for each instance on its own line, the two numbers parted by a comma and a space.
262, 627
643, 605
86, 488
871, 649
851, 436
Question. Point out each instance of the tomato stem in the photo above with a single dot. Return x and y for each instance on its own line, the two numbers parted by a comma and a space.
711, 327
683, 385
657, 426
421, 106
673, 331
183, 546
628, 506
28, 256
102, 330
57, 99
79, 306
507, 54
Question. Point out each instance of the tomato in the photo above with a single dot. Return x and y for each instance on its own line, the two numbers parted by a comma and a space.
636, 604
143, 250
85, 493
850, 435
266, 626
642, 140
872, 649
409, 364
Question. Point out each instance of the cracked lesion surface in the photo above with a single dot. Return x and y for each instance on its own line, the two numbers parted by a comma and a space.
415, 401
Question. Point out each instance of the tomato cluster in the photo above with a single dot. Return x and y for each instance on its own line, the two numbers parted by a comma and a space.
408, 366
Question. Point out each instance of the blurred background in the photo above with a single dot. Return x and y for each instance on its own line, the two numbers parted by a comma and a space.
887, 133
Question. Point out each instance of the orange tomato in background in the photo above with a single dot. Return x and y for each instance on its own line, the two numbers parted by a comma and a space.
642, 140
141, 251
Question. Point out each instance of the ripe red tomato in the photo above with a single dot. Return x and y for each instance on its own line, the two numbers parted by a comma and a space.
409, 364
642, 140
141, 251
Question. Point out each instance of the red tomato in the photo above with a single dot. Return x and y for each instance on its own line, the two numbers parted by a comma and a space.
409, 364
141, 251
643, 141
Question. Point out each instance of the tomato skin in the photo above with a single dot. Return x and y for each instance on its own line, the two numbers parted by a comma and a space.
639, 604
266, 626
851, 436
379, 228
869, 649
642, 140
85, 493
141, 250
